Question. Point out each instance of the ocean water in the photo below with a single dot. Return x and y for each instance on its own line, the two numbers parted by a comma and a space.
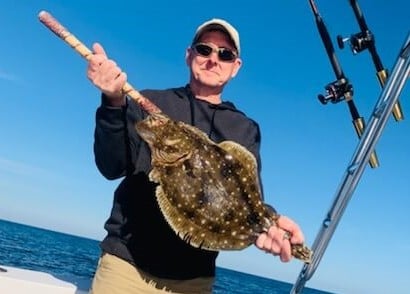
74, 258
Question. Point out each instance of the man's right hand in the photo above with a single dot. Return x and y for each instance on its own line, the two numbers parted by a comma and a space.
106, 76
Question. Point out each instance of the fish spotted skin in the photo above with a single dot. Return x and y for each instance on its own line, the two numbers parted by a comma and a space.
209, 193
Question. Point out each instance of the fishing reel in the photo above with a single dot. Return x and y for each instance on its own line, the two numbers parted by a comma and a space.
358, 42
336, 91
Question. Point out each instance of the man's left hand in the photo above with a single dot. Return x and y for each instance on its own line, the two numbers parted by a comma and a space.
279, 238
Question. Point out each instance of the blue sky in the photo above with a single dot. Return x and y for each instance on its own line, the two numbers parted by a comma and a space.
47, 173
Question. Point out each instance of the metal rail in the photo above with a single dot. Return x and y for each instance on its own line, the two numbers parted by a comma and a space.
355, 168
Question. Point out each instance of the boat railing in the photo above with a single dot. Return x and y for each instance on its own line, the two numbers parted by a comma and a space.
374, 128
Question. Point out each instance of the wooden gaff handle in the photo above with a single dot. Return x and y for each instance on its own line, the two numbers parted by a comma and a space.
50, 22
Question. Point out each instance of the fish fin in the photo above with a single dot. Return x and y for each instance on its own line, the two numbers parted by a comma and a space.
240, 152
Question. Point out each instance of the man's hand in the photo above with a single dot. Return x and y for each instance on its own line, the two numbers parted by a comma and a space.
279, 238
106, 76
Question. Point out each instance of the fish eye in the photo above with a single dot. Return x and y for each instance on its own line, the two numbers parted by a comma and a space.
170, 142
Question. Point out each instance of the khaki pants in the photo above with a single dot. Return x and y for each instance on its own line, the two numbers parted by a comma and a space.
116, 276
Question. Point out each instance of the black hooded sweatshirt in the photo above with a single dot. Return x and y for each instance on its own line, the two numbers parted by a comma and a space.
136, 229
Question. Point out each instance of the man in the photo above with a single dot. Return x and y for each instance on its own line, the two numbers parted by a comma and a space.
141, 253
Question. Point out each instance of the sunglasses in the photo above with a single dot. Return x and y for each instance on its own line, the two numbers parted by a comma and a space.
224, 54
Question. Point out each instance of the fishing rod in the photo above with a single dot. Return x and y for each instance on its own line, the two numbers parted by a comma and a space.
365, 40
341, 89
355, 168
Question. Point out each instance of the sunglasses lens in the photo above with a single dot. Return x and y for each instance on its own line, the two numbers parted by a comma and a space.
226, 54
203, 49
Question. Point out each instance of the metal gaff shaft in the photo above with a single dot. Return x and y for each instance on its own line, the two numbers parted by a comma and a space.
60, 31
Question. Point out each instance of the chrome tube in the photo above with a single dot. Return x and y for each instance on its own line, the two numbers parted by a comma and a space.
388, 97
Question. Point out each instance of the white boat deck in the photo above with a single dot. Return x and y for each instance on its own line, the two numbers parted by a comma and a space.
21, 281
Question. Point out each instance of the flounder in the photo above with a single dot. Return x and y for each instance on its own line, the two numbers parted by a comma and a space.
209, 193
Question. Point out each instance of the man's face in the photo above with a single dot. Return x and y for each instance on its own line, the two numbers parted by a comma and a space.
211, 71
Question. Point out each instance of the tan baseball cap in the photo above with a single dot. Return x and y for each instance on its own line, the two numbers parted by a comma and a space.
222, 25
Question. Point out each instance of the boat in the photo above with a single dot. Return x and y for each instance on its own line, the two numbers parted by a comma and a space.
15, 280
